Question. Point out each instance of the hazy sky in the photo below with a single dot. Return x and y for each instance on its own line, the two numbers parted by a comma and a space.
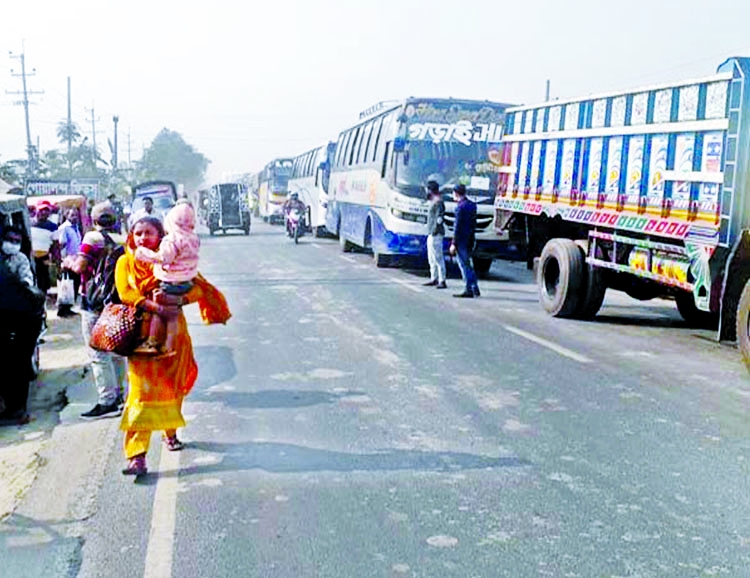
248, 81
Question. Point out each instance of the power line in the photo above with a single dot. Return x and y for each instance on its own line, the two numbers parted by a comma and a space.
25, 93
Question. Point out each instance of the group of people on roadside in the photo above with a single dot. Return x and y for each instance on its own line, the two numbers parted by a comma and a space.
154, 269
463, 241
156, 272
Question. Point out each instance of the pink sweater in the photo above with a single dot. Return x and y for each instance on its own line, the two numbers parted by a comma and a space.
176, 261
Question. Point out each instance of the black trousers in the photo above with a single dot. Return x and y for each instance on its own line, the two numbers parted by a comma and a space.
42, 273
18, 339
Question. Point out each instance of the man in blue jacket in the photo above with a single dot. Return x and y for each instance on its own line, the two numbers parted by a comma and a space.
463, 240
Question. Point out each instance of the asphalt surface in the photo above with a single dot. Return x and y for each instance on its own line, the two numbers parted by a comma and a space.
350, 423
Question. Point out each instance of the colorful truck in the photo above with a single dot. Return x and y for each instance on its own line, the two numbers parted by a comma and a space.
644, 191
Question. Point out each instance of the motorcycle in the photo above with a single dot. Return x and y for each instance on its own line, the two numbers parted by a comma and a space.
295, 224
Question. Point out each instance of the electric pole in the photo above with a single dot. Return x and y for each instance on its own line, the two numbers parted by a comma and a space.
547, 91
115, 119
25, 93
93, 120
70, 137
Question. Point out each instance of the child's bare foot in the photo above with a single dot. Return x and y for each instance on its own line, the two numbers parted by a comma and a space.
150, 347
167, 353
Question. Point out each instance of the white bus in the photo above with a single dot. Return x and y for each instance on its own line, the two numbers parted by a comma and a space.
273, 186
310, 178
377, 197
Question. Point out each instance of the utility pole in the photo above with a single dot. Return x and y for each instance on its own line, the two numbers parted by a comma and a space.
115, 119
25, 93
130, 166
70, 137
93, 120
546, 91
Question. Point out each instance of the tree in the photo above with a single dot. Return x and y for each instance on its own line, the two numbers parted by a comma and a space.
66, 130
12, 171
170, 158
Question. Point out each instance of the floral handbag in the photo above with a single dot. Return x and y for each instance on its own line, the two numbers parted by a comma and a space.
118, 330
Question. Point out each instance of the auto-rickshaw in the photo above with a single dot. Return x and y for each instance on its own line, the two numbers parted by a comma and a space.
228, 208
25, 307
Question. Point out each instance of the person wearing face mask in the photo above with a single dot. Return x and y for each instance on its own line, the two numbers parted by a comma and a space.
15, 262
20, 325
435, 236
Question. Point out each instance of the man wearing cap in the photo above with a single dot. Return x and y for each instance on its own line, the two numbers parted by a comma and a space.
463, 240
435, 236
42, 232
109, 370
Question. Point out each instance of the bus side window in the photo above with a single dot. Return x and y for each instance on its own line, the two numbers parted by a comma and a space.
385, 159
353, 146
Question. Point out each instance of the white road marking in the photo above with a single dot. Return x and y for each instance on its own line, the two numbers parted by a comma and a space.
348, 259
315, 245
161, 537
406, 284
548, 344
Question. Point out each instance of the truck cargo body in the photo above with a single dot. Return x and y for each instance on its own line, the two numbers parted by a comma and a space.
651, 187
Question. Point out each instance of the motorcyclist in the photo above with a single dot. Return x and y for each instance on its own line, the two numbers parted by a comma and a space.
293, 203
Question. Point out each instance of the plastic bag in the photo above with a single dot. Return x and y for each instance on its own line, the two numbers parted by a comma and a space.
66, 291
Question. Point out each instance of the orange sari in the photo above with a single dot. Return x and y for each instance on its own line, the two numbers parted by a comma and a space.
157, 386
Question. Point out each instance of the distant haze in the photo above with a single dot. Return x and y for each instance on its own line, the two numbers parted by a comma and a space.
248, 81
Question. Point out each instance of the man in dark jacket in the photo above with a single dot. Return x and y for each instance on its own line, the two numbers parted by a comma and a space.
463, 240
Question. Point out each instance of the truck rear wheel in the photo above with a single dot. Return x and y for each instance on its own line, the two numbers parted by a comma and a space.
743, 325
593, 290
696, 317
560, 278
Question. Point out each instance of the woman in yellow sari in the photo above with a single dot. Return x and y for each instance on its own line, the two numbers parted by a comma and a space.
157, 385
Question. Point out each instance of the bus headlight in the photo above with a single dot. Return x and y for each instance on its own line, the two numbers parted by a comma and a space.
404, 216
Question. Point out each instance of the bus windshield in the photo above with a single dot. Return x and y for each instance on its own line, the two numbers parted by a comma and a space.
280, 174
449, 163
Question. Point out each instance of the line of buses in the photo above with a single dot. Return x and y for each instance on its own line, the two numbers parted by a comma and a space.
368, 187
644, 190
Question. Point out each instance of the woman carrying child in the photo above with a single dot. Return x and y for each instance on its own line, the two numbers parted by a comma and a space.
157, 385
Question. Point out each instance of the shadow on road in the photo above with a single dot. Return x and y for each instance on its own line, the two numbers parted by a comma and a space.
287, 458
633, 319
216, 365
275, 398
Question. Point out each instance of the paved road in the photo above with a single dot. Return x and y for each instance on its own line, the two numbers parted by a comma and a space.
350, 423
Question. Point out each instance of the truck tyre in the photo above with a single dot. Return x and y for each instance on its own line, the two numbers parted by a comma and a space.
695, 317
482, 266
561, 277
592, 293
743, 325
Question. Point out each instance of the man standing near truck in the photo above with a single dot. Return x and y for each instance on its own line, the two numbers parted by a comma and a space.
463, 241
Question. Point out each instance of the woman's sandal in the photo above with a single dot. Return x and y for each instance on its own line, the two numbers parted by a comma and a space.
173, 444
136, 466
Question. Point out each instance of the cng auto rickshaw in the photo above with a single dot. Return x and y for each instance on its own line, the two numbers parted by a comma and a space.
228, 208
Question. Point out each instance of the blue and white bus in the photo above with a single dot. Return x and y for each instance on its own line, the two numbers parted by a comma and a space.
382, 164
311, 173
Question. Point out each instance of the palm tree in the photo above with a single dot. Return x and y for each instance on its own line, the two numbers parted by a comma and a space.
67, 131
